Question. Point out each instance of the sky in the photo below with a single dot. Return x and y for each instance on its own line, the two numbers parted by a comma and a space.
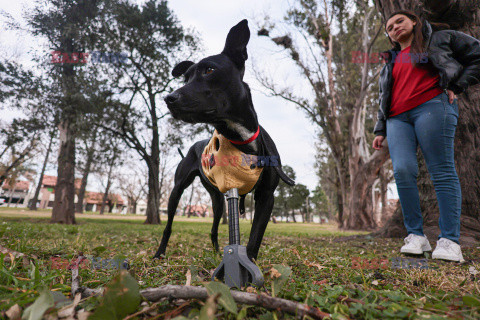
293, 134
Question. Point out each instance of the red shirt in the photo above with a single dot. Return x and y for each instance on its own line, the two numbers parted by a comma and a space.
411, 86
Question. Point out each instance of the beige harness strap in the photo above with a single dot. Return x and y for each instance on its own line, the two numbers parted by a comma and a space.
227, 167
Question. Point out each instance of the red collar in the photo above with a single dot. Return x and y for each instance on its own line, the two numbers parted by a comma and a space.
247, 141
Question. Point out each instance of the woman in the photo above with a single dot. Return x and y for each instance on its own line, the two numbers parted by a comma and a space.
418, 86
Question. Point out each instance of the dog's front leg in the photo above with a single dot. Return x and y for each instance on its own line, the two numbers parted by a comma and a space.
172, 208
263, 209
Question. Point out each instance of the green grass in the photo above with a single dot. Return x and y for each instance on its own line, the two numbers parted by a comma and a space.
323, 274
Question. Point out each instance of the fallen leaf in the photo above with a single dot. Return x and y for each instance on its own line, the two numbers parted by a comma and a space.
42, 303
14, 313
66, 311
295, 252
320, 282
313, 264
280, 275
209, 308
274, 274
12, 253
223, 295
251, 290
472, 270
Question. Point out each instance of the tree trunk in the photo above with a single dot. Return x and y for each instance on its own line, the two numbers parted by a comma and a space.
33, 203
308, 213
153, 196
109, 184
86, 172
63, 207
134, 207
340, 205
363, 175
463, 16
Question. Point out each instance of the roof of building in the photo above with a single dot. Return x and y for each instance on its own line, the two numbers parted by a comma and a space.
51, 181
20, 185
97, 197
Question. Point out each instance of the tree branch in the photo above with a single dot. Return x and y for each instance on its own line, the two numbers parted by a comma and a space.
192, 292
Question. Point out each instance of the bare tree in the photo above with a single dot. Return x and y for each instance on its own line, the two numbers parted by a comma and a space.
133, 185
153, 41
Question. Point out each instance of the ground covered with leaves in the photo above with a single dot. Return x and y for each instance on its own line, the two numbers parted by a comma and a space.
362, 278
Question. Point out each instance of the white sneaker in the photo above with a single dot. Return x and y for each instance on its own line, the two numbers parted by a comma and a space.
415, 244
448, 250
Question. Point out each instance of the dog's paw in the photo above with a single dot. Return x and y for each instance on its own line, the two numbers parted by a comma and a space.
158, 257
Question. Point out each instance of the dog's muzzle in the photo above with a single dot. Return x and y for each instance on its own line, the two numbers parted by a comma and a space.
172, 98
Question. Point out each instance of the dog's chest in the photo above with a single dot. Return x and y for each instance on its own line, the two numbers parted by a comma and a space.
226, 167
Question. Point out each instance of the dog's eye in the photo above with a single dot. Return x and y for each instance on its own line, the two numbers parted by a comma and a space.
209, 70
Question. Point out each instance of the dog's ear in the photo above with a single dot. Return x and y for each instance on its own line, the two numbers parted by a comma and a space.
181, 68
236, 44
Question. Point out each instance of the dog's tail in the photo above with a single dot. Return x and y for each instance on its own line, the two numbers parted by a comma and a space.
181, 154
284, 176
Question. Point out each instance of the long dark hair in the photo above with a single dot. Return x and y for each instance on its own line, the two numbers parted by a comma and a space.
419, 44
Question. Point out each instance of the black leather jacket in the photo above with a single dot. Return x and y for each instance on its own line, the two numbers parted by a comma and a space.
454, 54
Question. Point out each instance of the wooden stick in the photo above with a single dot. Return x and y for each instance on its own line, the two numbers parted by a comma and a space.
192, 292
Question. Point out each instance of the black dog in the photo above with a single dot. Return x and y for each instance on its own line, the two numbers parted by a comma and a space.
215, 93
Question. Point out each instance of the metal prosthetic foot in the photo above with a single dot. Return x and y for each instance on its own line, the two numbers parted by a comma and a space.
236, 269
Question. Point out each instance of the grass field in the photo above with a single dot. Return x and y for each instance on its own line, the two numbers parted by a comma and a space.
343, 278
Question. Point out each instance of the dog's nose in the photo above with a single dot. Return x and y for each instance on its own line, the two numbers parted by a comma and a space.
172, 97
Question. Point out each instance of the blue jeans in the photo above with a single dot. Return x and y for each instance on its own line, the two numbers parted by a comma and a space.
432, 126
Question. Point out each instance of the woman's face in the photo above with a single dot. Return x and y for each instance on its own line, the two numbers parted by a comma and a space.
399, 27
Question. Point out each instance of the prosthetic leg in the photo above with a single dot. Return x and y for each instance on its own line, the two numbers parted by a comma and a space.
236, 269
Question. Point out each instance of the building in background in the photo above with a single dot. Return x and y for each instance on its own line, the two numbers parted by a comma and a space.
197, 210
15, 192
47, 191
93, 202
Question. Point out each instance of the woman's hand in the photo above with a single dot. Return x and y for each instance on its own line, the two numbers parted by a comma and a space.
451, 96
377, 142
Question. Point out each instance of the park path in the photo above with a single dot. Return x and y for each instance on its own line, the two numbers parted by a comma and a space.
16, 212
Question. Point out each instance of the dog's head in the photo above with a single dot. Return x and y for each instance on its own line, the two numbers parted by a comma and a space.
213, 87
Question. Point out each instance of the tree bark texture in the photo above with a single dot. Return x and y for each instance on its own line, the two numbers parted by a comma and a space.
63, 206
107, 189
153, 196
